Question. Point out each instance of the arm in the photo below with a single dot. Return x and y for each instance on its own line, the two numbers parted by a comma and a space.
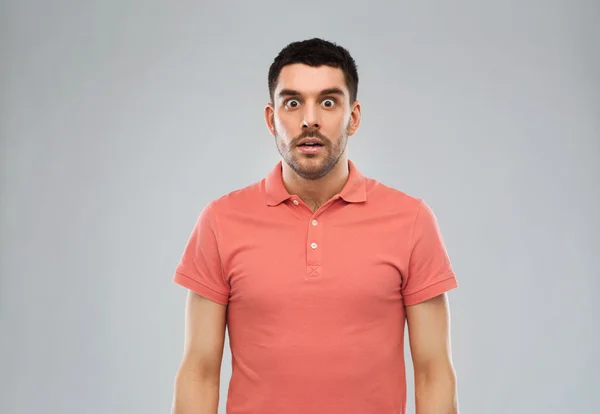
429, 337
200, 271
198, 377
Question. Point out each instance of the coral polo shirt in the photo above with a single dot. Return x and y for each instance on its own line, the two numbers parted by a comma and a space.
316, 300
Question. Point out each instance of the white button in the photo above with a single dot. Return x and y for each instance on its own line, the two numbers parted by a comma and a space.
314, 222
314, 245
295, 202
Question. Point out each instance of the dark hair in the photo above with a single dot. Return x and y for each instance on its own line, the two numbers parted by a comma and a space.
316, 52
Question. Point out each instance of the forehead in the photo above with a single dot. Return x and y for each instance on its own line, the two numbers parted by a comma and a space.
309, 79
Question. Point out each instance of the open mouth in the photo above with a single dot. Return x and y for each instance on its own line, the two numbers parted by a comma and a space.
310, 148
311, 144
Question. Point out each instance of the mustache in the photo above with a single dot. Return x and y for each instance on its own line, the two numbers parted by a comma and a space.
312, 134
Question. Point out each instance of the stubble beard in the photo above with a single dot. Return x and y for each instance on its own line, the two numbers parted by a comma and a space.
312, 166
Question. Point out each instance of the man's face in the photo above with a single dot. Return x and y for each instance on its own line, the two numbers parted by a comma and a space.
312, 103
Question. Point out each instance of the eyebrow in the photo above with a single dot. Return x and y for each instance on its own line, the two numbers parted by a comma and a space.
328, 91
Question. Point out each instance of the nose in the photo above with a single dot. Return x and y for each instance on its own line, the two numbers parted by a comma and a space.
311, 118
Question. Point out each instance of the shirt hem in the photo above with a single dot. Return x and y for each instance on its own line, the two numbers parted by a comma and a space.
200, 289
431, 291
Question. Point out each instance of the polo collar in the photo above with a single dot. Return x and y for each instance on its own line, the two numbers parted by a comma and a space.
354, 191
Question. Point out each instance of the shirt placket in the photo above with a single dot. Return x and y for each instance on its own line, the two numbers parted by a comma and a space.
314, 240
314, 253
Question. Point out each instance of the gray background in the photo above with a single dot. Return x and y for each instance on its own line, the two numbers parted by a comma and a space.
120, 120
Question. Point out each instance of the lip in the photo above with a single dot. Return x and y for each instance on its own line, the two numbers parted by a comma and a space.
310, 150
310, 141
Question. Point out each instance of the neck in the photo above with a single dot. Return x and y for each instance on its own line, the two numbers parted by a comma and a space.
315, 193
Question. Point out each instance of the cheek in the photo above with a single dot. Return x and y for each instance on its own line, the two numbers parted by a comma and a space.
346, 119
280, 129
284, 124
339, 122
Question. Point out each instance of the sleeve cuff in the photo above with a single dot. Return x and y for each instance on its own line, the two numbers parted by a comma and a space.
430, 291
200, 289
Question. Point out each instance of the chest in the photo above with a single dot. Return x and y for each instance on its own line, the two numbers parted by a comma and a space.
318, 264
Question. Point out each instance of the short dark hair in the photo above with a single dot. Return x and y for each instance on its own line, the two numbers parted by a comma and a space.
316, 52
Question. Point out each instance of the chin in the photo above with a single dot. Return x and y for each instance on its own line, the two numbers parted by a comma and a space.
311, 170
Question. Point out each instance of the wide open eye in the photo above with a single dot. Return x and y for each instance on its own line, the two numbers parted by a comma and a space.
292, 103
328, 103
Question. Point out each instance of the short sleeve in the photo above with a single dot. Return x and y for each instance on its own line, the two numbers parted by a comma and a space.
200, 268
430, 272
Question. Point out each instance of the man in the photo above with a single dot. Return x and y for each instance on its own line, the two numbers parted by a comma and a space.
315, 269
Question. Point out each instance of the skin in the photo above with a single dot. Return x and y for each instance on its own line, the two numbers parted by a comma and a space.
429, 336
197, 381
313, 110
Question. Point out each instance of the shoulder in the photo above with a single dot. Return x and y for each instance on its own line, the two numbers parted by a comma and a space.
393, 198
239, 199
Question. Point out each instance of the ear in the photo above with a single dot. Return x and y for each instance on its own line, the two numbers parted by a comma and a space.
355, 117
270, 118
